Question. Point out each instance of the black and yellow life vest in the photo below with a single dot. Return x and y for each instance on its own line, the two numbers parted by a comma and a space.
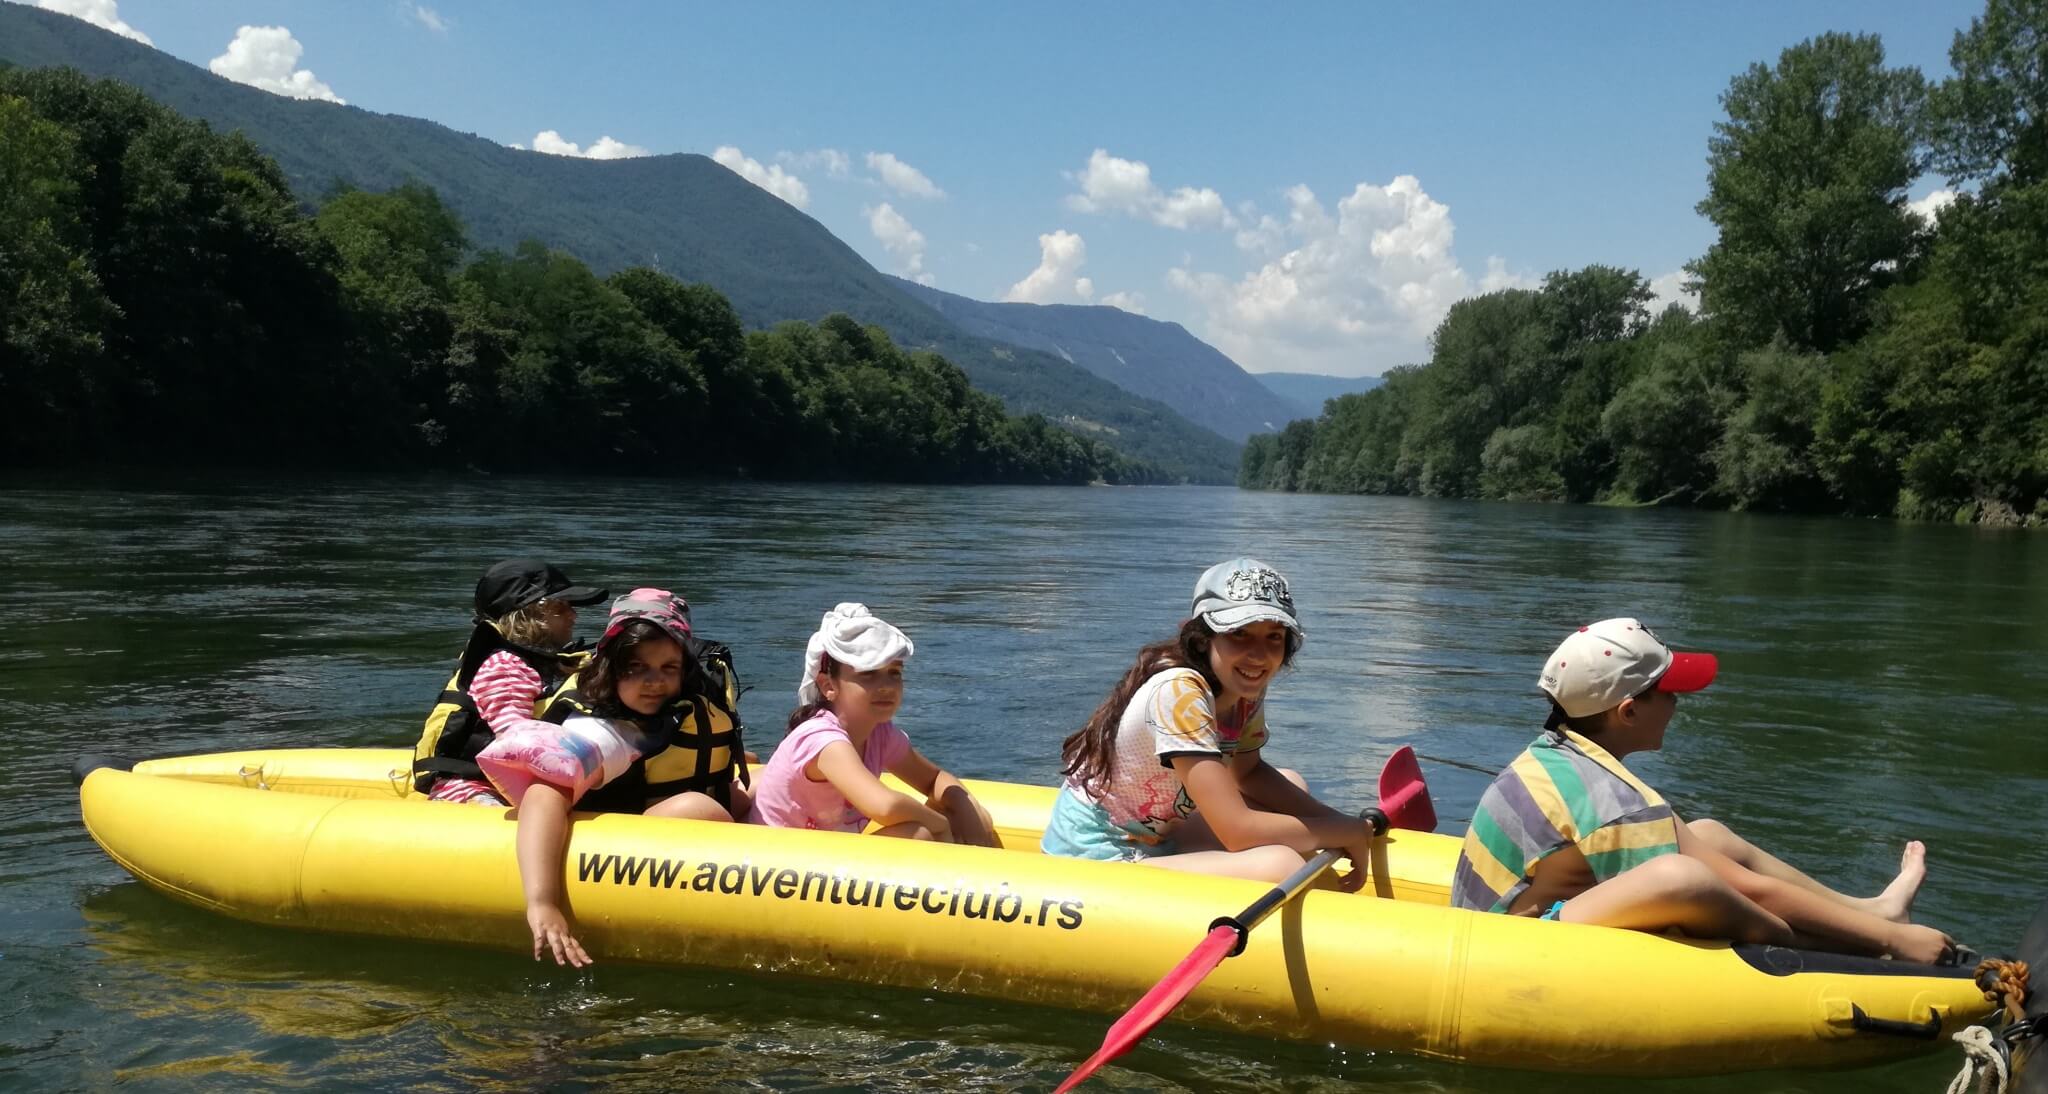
455, 732
699, 739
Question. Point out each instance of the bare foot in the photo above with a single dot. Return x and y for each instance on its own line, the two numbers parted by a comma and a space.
1896, 902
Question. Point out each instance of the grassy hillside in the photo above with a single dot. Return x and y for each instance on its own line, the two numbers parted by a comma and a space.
701, 221
1143, 356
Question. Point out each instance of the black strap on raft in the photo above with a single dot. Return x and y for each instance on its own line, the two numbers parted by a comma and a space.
1913, 1031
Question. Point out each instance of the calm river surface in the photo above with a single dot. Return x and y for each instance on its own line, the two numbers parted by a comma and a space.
1879, 682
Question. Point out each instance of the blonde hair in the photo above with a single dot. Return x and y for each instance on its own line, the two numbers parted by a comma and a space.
527, 626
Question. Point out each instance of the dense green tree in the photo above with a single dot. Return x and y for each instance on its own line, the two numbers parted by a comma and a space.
1663, 423
1763, 459
165, 297
1989, 121
52, 312
1806, 182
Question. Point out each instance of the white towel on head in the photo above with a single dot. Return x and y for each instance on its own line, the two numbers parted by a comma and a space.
854, 637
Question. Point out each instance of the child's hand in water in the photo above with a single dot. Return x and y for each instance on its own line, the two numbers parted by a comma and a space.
551, 933
1913, 942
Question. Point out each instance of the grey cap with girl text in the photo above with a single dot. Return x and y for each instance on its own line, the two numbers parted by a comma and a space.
1235, 594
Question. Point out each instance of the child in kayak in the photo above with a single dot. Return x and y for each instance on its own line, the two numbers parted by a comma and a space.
1567, 833
1169, 770
517, 657
634, 678
825, 774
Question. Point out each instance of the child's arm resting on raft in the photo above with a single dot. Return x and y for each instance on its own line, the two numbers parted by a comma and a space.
944, 792
1214, 787
841, 766
1263, 785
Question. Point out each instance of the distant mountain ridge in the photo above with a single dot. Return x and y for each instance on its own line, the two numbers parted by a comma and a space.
1308, 391
700, 222
1148, 357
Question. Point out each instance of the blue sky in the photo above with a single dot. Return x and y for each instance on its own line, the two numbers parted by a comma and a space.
1306, 186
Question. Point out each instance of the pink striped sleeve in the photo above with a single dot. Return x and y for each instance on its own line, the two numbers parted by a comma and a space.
505, 689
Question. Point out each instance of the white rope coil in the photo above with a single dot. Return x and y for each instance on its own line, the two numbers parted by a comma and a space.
1983, 1060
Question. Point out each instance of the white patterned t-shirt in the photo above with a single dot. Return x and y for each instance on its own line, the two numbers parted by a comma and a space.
1172, 714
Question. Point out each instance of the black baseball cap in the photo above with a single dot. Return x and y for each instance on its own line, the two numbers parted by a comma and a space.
516, 582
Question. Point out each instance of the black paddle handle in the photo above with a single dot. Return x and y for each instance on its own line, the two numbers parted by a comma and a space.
1259, 909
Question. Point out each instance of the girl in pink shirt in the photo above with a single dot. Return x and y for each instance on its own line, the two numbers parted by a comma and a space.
826, 774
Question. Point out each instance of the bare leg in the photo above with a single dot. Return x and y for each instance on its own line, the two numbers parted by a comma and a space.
1828, 925
1895, 903
690, 805
1203, 853
1675, 891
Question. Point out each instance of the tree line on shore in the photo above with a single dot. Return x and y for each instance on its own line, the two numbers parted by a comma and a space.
166, 299
1851, 354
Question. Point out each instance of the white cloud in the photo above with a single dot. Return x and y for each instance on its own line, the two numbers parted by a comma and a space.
100, 13
605, 148
836, 163
1264, 237
772, 179
268, 58
1669, 289
1061, 254
1111, 184
1926, 208
1498, 277
429, 18
1133, 302
900, 239
1354, 293
901, 177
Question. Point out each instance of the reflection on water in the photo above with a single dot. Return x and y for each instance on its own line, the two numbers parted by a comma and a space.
1880, 682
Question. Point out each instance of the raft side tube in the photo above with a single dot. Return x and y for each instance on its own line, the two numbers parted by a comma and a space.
93, 761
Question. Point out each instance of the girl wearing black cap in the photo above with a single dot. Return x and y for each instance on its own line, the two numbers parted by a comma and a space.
513, 664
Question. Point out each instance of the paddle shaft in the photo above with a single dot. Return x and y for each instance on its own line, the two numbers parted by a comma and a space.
1288, 889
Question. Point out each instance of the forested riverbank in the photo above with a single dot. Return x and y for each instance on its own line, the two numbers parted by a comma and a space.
166, 300
1852, 353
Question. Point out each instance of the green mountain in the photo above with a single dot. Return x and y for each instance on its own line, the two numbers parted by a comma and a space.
1143, 356
699, 221
1306, 392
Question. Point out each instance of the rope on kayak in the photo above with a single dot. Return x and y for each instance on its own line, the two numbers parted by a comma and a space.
1986, 1055
2008, 980
1983, 1061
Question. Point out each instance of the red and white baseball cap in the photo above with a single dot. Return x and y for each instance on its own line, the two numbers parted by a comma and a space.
1601, 664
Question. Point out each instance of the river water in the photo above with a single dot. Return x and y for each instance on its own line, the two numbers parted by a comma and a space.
1879, 682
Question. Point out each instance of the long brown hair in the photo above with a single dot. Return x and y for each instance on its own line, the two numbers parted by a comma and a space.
809, 711
1088, 757
599, 680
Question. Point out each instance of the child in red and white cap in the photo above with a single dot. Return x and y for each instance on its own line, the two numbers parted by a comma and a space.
1567, 833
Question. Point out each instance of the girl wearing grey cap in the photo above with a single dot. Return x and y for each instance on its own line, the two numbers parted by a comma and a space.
1168, 770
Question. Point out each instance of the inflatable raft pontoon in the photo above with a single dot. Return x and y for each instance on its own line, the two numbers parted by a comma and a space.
337, 840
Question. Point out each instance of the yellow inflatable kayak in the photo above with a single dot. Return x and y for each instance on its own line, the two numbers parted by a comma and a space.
337, 840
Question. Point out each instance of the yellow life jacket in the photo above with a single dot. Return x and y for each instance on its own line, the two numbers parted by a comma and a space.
698, 739
454, 732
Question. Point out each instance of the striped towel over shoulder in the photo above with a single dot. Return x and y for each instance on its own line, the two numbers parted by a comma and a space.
1562, 791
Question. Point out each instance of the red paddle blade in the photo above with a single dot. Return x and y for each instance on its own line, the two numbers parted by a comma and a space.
1404, 796
1156, 1005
